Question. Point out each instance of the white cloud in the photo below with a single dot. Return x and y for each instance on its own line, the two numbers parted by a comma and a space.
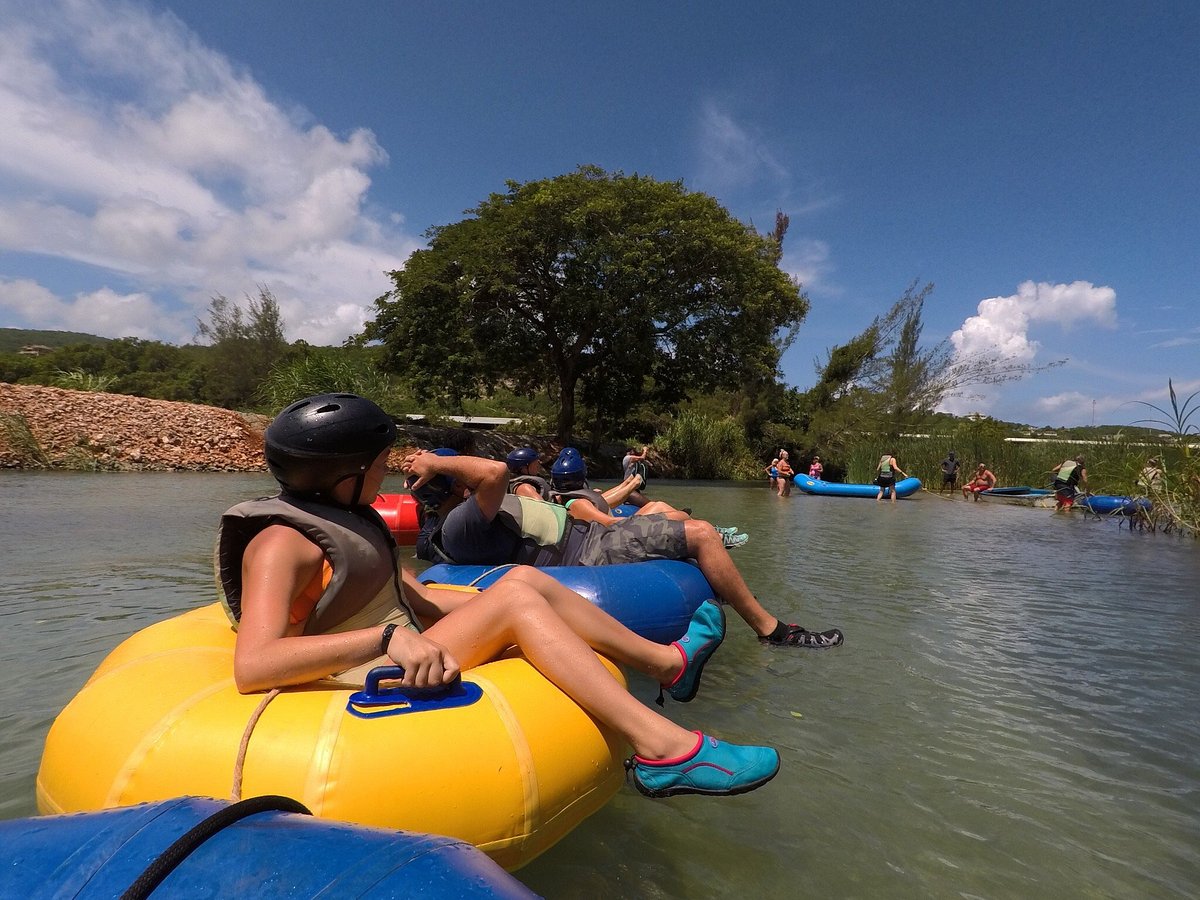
730, 156
179, 175
807, 260
104, 312
1002, 324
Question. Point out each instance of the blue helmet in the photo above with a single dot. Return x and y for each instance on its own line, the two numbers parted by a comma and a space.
520, 458
436, 490
569, 472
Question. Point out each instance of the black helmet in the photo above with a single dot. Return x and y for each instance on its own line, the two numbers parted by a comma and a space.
436, 490
569, 472
520, 458
317, 443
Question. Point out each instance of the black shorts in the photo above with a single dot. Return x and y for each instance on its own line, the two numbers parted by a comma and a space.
885, 481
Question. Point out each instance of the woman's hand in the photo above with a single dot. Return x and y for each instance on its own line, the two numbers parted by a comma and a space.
425, 662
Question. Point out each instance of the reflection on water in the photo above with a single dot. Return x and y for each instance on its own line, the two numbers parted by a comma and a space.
1014, 713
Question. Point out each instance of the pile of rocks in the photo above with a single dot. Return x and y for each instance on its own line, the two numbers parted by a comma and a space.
53, 428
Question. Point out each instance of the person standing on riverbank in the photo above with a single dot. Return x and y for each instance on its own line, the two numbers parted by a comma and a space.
299, 619
949, 473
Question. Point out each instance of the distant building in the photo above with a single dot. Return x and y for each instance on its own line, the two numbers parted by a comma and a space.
480, 422
35, 350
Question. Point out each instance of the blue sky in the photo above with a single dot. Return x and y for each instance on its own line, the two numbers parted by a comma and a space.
1036, 161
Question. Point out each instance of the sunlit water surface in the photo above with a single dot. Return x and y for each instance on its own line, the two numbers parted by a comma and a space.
1015, 712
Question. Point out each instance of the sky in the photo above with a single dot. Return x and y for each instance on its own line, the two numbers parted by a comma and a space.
1037, 162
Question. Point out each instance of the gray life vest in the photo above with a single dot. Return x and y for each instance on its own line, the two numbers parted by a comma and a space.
360, 549
587, 494
548, 536
539, 484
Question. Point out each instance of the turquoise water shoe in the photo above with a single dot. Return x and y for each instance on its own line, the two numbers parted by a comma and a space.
703, 636
732, 529
734, 540
714, 768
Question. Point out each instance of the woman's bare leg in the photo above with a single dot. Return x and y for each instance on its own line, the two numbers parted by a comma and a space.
513, 612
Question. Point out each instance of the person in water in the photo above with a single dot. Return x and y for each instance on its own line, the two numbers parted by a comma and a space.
982, 480
949, 473
633, 465
815, 469
786, 474
885, 475
568, 480
569, 487
773, 473
312, 582
468, 517
1069, 477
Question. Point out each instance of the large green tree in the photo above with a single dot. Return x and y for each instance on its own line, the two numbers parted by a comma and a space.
592, 286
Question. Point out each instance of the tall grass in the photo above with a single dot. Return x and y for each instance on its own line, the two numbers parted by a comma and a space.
322, 373
706, 447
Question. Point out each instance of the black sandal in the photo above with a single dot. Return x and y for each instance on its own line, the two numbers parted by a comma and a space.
795, 636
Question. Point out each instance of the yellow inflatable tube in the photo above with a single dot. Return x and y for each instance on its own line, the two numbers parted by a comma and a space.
511, 773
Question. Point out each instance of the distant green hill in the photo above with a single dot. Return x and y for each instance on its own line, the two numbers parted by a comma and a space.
13, 339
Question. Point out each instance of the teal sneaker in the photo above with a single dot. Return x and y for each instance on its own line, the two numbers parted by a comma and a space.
703, 636
714, 767
725, 532
732, 541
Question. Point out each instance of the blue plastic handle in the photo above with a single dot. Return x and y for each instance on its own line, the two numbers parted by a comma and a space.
374, 702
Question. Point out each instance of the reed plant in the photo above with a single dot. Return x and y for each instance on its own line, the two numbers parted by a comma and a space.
1175, 495
707, 447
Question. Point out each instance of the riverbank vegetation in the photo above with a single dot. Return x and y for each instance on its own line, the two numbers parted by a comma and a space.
596, 308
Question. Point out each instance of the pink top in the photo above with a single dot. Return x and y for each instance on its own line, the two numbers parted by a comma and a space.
815, 470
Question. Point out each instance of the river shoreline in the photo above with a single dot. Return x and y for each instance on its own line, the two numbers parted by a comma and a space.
49, 428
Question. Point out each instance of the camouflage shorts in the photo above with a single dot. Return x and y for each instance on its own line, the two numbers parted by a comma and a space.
635, 539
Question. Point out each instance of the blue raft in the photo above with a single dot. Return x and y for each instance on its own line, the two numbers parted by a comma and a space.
1109, 505
655, 599
267, 852
837, 489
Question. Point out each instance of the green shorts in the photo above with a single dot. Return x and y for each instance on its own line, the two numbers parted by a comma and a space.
635, 539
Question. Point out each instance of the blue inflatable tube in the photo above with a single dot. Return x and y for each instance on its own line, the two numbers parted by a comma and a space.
268, 853
836, 489
655, 599
1108, 505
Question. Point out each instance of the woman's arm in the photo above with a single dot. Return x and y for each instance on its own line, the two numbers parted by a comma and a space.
278, 566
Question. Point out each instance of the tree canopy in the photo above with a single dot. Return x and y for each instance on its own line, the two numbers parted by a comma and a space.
593, 286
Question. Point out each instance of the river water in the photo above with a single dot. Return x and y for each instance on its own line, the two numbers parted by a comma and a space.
1015, 713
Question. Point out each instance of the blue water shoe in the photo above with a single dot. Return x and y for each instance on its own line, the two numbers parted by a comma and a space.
703, 636
714, 767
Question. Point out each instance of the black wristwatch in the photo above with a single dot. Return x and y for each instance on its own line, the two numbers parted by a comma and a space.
388, 631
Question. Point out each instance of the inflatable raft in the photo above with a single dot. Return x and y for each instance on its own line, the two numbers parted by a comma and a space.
655, 599
510, 766
194, 847
903, 488
399, 513
1109, 505
1021, 496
